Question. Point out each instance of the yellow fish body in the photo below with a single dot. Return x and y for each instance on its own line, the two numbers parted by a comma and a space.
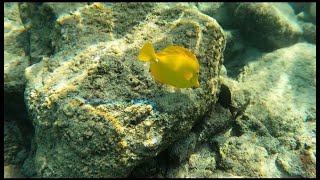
174, 65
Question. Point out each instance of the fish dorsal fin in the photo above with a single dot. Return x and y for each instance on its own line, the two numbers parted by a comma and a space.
176, 50
186, 51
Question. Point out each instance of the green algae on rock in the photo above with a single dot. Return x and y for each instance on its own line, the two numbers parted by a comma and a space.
96, 110
15, 45
200, 163
279, 118
268, 26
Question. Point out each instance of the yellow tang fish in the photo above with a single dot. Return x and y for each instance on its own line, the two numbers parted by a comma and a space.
174, 65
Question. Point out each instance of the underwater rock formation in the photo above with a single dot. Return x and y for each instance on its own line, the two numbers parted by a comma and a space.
313, 11
268, 26
15, 44
221, 11
285, 132
201, 163
272, 131
96, 110
309, 32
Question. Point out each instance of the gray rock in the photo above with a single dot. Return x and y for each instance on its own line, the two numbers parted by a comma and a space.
236, 64
181, 150
307, 12
301, 163
28, 168
235, 45
37, 19
152, 168
275, 125
201, 163
13, 140
309, 32
241, 156
251, 144
219, 11
17, 129
234, 52
203, 158
299, 7
268, 26
284, 78
12, 171
15, 45
97, 111
216, 121
313, 12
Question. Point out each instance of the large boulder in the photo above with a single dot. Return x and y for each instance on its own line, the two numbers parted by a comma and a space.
273, 127
268, 26
201, 163
96, 110
309, 32
17, 130
275, 119
16, 57
220, 11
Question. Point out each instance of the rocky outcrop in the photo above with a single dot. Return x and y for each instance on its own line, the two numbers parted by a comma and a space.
96, 110
268, 26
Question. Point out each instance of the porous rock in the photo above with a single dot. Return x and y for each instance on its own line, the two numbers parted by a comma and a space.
15, 45
96, 109
268, 26
200, 163
274, 98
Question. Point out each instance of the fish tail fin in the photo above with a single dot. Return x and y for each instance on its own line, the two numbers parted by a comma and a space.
147, 53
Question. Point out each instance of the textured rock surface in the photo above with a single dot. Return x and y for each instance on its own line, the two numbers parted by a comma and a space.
194, 155
215, 122
305, 11
276, 94
17, 130
182, 149
15, 45
220, 11
288, 78
309, 32
313, 12
242, 157
269, 133
12, 171
200, 163
13, 142
96, 110
93, 116
268, 26
234, 46
298, 163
